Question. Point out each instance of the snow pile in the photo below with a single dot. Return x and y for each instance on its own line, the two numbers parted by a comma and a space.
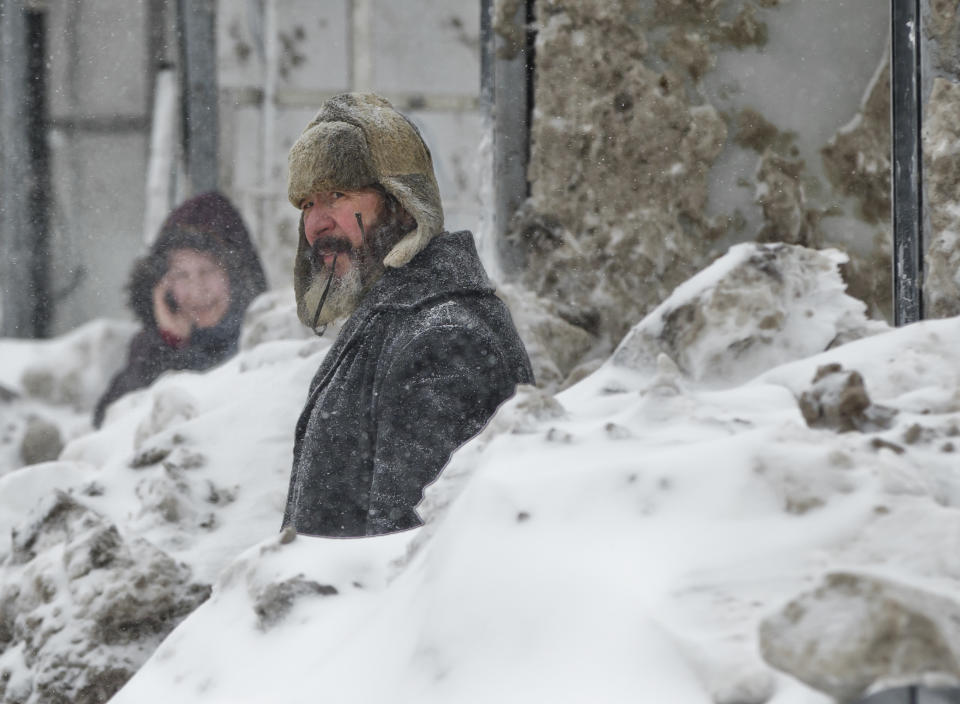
901, 630
650, 534
118, 540
48, 388
941, 147
72, 581
560, 352
839, 401
757, 306
70, 370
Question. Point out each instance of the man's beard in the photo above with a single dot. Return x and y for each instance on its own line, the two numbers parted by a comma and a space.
346, 290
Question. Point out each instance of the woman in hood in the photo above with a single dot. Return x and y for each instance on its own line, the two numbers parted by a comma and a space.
190, 293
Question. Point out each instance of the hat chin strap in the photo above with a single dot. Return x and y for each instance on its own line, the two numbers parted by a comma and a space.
326, 289
323, 297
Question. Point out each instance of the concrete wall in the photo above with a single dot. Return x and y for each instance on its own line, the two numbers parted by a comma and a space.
666, 130
98, 140
423, 55
941, 152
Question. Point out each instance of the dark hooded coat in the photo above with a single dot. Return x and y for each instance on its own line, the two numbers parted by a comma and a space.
207, 223
418, 369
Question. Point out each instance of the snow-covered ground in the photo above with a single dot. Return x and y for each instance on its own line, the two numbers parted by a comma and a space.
698, 521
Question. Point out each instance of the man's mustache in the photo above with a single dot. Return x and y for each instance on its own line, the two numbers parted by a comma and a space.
328, 244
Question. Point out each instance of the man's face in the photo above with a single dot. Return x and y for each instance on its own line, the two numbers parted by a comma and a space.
331, 225
333, 231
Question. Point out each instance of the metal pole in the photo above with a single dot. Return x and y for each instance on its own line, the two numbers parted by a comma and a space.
506, 88
197, 27
907, 162
14, 173
268, 122
37, 118
24, 174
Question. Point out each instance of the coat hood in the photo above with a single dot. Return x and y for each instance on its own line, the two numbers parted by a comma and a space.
449, 267
207, 223
420, 367
358, 140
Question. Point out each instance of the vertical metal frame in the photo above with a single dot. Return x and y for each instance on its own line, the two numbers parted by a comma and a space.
906, 161
506, 80
38, 122
196, 26
25, 280
15, 284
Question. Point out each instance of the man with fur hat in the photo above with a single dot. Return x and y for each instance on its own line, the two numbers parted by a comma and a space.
427, 353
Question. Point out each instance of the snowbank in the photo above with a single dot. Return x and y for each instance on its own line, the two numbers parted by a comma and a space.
653, 533
182, 477
48, 388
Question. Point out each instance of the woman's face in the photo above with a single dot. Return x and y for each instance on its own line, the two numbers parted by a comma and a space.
199, 285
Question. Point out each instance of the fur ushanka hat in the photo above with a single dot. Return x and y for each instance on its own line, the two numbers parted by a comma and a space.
358, 140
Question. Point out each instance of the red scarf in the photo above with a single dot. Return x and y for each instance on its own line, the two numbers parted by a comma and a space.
172, 340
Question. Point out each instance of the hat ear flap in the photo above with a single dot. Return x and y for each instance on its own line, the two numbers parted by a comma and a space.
420, 197
406, 249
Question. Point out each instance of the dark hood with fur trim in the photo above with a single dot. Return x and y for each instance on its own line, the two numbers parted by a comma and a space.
207, 223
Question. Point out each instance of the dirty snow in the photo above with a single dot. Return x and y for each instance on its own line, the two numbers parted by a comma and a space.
649, 534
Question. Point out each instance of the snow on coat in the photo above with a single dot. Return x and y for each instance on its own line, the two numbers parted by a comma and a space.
418, 369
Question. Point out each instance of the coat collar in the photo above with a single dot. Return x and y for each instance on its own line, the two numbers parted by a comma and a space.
449, 265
